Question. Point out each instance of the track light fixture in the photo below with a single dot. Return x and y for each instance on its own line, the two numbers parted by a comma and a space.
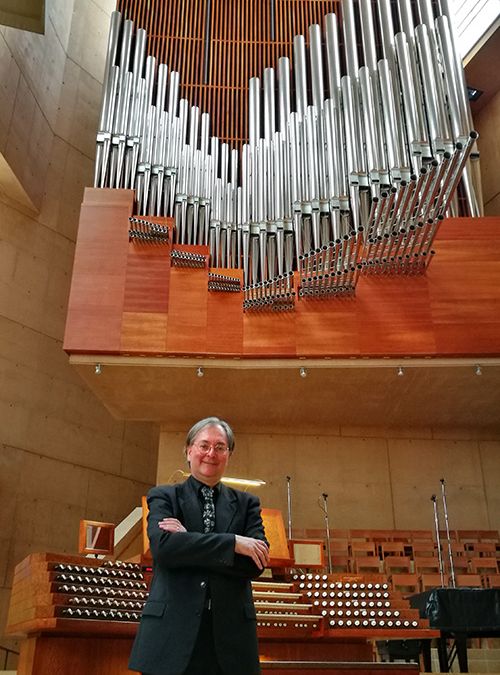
200, 372
98, 369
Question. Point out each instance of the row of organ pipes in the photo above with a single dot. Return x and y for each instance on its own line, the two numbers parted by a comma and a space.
348, 168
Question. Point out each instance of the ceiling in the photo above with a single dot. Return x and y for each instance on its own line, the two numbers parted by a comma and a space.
271, 395
480, 74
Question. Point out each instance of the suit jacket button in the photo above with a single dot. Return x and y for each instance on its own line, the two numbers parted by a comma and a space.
203, 584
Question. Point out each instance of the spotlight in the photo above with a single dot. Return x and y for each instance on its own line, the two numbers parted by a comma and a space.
303, 372
200, 372
401, 372
478, 370
98, 369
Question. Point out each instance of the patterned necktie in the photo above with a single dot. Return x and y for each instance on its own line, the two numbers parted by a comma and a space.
208, 515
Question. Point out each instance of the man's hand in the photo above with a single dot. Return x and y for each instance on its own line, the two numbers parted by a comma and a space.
254, 548
171, 525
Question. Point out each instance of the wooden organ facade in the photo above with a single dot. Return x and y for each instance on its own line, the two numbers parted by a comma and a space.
132, 297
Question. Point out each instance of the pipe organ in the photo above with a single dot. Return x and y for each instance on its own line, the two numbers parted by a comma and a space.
354, 149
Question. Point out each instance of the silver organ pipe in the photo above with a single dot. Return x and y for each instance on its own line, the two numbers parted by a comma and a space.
354, 180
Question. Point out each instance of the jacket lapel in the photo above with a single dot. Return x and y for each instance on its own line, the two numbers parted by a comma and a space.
225, 509
190, 507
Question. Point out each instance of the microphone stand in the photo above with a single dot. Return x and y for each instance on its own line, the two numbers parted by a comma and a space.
450, 554
436, 525
324, 508
289, 502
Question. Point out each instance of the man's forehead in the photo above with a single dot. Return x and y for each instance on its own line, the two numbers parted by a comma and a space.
209, 430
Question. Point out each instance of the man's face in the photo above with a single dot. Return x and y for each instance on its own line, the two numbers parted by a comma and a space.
208, 455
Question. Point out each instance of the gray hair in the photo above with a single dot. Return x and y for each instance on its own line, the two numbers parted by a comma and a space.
210, 422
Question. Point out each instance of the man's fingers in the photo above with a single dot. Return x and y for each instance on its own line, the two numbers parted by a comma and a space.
255, 549
171, 525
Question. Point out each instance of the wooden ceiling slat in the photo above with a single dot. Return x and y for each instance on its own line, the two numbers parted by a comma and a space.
240, 47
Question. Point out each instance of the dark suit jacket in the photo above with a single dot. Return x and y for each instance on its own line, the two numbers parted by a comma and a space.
185, 565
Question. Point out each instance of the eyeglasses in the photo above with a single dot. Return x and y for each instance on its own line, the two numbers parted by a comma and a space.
204, 447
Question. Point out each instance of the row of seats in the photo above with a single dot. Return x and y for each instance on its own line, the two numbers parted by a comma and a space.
418, 565
408, 584
405, 536
354, 548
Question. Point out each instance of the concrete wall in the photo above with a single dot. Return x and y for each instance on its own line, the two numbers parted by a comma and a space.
62, 456
375, 478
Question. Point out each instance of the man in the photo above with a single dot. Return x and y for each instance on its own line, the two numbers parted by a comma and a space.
206, 546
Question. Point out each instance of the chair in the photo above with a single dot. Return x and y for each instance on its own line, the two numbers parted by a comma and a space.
367, 564
397, 564
341, 564
338, 534
460, 564
468, 580
380, 535
426, 565
443, 535
402, 535
489, 535
484, 565
468, 536
423, 548
428, 581
314, 533
392, 548
359, 535
363, 548
457, 547
339, 552
483, 549
406, 584
421, 535
339, 547
493, 580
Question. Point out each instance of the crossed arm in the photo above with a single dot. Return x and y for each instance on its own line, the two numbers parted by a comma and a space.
172, 545
256, 549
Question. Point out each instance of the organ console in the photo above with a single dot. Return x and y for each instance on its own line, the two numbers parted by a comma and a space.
309, 615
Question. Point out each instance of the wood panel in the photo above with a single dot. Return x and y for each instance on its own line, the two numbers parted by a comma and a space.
76, 655
188, 308
144, 323
269, 334
98, 285
128, 299
394, 316
109, 656
225, 319
464, 296
327, 325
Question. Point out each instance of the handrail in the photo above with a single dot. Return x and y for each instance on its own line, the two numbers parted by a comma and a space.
8, 652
